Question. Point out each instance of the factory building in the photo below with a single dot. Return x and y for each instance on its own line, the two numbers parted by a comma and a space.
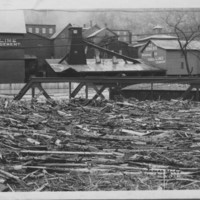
167, 55
12, 62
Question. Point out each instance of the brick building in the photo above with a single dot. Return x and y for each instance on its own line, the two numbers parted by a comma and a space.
41, 29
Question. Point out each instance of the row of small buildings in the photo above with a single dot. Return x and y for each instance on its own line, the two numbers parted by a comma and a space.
24, 47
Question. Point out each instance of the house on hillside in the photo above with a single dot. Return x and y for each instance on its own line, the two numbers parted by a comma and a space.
61, 42
89, 30
12, 30
123, 35
109, 39
167, 55
102, 36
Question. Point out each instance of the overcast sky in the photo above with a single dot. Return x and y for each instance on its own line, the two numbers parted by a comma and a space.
96, 4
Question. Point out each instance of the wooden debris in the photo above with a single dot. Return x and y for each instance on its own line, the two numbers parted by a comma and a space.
105, 145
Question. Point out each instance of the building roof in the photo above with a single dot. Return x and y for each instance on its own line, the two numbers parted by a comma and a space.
106, 66
137, 45
55, 35
90, 30
38, 35
157, 27
159, 37
174, 45
101, 30
12, 22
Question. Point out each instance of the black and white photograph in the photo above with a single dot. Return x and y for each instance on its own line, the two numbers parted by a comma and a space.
99, 99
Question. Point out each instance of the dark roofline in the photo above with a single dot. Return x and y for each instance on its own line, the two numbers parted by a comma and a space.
42, 36
166, 49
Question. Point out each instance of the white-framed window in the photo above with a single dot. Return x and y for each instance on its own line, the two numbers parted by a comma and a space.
50, 31
43, 30
30, 29
37, 30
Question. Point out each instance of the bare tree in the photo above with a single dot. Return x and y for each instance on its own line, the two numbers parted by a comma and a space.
187, 29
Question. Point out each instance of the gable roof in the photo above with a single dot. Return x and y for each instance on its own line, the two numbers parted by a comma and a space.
101, 30
174, 44
158, 37
12, 21
89, 31
57, 33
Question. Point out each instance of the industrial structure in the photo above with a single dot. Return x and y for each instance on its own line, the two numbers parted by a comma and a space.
167, 55
63, 54
12, 57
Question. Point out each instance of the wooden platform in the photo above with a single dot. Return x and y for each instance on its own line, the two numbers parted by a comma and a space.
99, 84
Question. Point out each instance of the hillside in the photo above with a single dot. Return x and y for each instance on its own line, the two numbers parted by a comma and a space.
138, 21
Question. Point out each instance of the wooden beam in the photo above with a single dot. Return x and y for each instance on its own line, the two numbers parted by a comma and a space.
86, 91
39, 86
70, 89
23, 91
77, 89
98, 91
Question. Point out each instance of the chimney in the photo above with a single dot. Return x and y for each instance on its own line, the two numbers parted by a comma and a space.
106, 25
84, 25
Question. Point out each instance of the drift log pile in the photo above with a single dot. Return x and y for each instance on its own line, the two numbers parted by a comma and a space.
105, 145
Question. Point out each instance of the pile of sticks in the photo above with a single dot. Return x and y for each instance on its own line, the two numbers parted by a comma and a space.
106, 145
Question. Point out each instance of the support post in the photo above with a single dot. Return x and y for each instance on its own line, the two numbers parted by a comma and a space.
151, 91
70, 89
33, 91
197, 93
86, 91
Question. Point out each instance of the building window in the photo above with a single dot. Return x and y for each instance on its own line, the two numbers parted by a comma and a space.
125, 39
182, 65
118, 32
125, 33
75, 31
43, 30
37, 30
50, 31
30, 29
